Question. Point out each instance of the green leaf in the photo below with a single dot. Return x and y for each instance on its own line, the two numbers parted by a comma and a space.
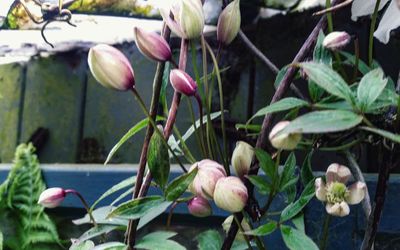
136, 208
264, 229
328, 79
159, 240
241, 245
384, 133
294, 208
96, 231
129, 182
370, 88
387, 98
261, 183
266, 163
111, 246
153, 213
288, 171
1, 240
84, 245
298, 222
323, 122
306, 170
209, 240
351, 59
343, 105
122, 196
100, 215
158, 160
281, 105
179, 185
296, 239
279, 76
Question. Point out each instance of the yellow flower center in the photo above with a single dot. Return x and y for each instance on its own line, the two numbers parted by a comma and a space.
336, 192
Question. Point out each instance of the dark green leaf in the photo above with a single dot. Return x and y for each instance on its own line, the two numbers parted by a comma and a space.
96, 231
264, 229
158, 159
111, 246
153, 213
343, 105
179, 185
384, 133
323, 122
306, 170
261, 183
387, 98
370, 88
351, 59
296, 239
328, 79
164, 85
298, 222
279, 76
266, 163
321, 54
291, 190
100, 215
209, 240
294, 208
288, 171
136, 208
281, 105
159, 240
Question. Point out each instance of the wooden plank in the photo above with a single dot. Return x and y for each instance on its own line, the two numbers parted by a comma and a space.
54, 92
11, 88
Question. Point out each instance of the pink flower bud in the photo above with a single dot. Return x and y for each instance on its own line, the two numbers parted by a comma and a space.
111, 68
283, 141
152, 45
230, 194
52, 197
229, 23
336, 40
199, 207
182, 82
242, 157
209, 172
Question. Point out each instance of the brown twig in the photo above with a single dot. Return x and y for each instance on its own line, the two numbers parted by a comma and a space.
333, 8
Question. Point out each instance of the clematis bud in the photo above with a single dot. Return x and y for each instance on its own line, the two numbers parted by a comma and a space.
227, 224
242, 157
209, 172
111, 68
230, 194
152, 45
199, 207
188, 22
336, 40
229, 23
283, 141
52, 197
182, 82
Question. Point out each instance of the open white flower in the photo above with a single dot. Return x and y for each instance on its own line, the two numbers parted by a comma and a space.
335, 193
390, 19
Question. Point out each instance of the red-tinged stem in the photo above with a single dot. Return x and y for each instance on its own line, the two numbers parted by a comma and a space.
85, 204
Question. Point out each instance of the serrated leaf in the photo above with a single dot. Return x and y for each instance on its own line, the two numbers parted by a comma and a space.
261, 183
96, 231
281, 105
266, 163
159, 240
209, 240
179, 185
136, 208
264, 229
129, 182
158, 160
111, 246
306, 170
384, 133
296, 239
370, 88
323, 122
328, 79
294, 208
288, 171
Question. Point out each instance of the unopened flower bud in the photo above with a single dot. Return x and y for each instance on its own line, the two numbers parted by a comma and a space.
182, 82
336, 40
209, 172
229, 23
242, 157
110, 67
152, 45
227, 224
283, 141
199, 207
230, 194
52, 197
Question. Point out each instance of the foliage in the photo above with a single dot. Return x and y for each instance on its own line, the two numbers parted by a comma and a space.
18, 200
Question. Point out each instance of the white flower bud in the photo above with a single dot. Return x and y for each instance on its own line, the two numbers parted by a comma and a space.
230, 194
52, 197
283, 141
242, 157
336, 40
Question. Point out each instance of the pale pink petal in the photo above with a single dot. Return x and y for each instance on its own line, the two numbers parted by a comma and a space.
320, 190
337, 173
172, 24
338, 209
389, 22
364, 7
357, 193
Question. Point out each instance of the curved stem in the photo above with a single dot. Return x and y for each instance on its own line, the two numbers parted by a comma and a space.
201, 125
171, 212
88, 210
371, 33
324, 239
239, 224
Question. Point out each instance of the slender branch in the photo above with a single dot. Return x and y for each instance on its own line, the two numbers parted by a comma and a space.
332, 9
371, 32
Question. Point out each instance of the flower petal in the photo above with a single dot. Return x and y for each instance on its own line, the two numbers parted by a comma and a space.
336, 172
320, 190
172, 24
357, 193
389, 22
364, 7
338, 209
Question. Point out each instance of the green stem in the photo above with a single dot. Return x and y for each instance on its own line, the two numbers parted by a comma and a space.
259, 242
371, 33
324, 239
366, 121
84, 203
241, 229
329, 16
187, 154
196, 131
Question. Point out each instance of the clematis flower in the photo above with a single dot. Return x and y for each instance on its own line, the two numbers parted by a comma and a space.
390, 19
152, 45
336, 194
230, 194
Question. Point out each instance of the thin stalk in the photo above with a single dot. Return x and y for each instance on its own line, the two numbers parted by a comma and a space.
196, 132
84, 203
324, 239
198, 99
259, 243
241, 229
171, 212
357, 59
371, 33
329, 16
187, 154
